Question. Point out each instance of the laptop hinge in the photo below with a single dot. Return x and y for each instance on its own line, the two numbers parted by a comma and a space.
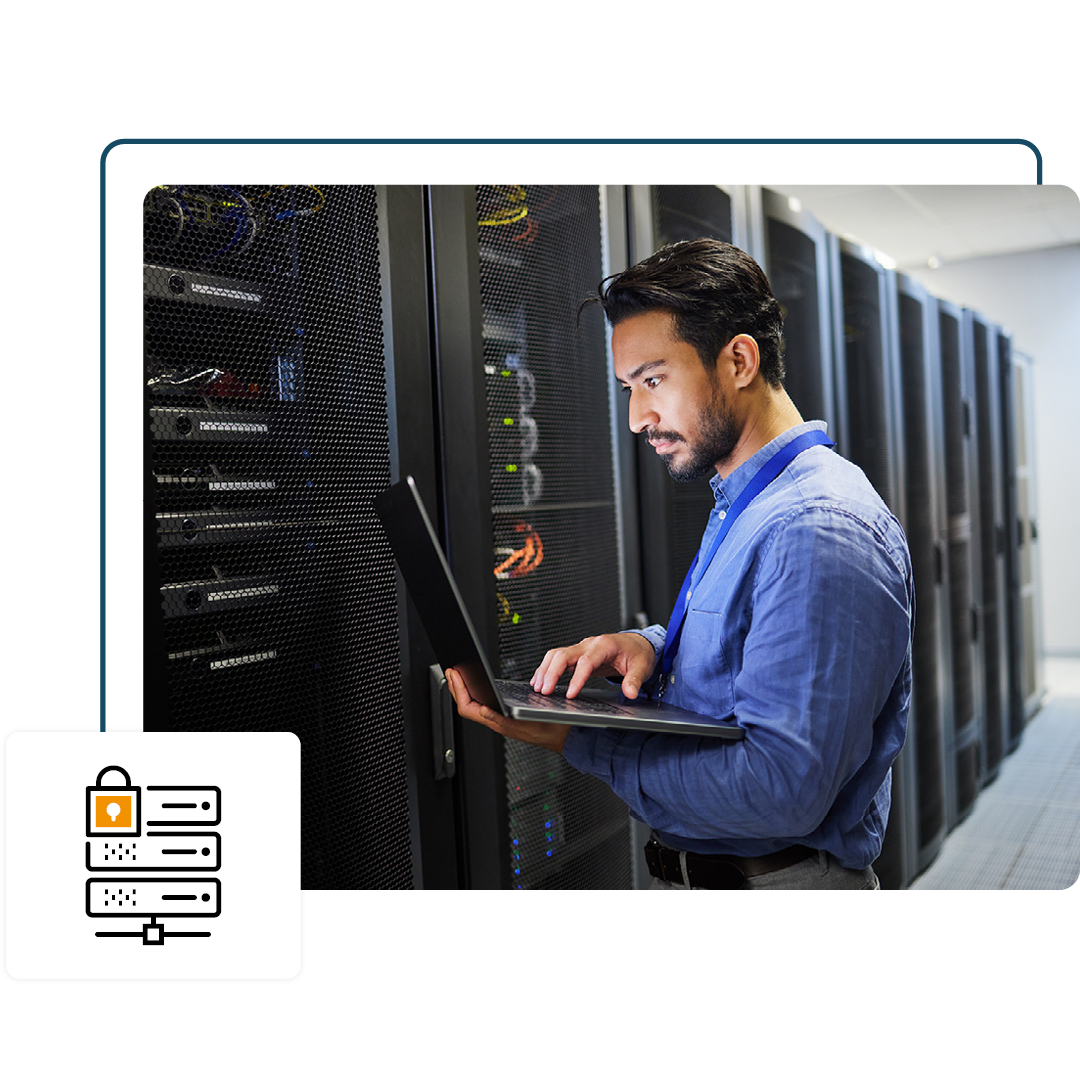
442, 724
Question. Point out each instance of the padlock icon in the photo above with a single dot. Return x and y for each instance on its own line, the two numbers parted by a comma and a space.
113, 810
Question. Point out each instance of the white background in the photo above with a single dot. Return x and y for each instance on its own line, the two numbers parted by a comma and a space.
530, 985
257, 934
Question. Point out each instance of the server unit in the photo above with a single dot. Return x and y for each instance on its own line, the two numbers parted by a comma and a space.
1025, 580
867, 356
528, 469
991, 567
270, 597
924, 441
674, 514
796, 260
963, 734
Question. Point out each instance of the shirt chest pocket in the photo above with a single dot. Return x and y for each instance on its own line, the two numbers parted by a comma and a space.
704, 680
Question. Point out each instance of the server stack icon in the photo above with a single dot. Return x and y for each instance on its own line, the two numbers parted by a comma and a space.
135, 858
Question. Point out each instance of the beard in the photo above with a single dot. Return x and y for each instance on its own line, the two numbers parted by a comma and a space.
719, 435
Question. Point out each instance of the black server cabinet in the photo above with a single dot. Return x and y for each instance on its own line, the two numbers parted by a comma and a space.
867, 370
1013, 540
431, 748
531, 516
991, 568
867, 358
924, 496
1032, 688
796, 260
270, 599
964, 732
674, 514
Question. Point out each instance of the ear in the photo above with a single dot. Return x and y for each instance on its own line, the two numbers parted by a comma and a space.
743, 354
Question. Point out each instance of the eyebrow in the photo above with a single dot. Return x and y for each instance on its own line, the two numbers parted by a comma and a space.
642, 368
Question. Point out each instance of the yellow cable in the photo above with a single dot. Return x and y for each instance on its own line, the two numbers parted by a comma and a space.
508, 215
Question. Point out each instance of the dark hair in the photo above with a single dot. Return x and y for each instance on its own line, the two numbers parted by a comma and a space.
713, 291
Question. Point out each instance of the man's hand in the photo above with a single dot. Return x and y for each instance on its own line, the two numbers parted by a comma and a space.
536, 732
629, 655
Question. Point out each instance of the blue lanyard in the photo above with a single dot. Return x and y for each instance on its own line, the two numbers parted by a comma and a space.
758, 483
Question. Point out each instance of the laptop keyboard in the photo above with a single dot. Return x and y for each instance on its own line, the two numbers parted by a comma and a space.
522, 694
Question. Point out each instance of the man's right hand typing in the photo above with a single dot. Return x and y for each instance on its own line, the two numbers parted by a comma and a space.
627, 654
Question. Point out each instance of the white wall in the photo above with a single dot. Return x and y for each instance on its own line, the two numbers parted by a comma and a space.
1036, 294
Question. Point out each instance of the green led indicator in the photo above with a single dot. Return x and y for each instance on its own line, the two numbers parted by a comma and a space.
511, 468
505, 374
516, 619
508, 421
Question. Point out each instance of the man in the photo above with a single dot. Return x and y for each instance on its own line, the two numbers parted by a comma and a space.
795, 620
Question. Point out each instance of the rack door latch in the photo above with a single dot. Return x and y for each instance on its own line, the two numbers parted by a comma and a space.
442, 724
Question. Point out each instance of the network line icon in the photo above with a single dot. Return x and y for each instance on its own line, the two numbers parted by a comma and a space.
133, 857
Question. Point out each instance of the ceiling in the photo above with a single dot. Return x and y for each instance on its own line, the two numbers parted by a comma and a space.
912, 225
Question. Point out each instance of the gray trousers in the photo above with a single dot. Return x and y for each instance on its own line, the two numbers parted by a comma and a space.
820, 871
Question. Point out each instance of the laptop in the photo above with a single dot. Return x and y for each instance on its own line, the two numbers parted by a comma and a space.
453, 637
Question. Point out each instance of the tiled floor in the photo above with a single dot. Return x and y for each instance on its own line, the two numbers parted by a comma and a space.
1024, 832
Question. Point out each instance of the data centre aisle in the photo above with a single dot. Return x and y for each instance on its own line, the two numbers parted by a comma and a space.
1024, 832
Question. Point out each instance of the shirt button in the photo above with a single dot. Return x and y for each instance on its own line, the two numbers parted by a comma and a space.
723, 514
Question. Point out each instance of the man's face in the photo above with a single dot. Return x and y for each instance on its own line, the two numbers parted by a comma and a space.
674, 399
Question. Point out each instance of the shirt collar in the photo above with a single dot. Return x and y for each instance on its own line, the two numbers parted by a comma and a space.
731, 488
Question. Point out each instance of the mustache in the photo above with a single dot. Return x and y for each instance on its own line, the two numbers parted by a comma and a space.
663, 436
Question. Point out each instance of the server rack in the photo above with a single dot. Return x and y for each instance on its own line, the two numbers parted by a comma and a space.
270, 593
674, 514
1027, 577
964, 732
991, 567
867, 369
924, 440
432, 746
867, 358
796, 258
528, 469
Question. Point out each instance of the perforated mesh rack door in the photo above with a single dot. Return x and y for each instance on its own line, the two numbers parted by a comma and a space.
793, 274
958, 426
1025, 586
556, 544
689, 211
678, 511
270, 596
991, 566
871, 442
927, 560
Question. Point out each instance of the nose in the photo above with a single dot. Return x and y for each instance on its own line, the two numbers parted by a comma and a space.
642, 417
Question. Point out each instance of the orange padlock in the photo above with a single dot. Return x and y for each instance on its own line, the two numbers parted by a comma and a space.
113, 810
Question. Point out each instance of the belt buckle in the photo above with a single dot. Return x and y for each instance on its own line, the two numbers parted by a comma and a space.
659, 859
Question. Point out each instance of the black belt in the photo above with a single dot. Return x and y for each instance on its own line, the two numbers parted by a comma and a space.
718, 871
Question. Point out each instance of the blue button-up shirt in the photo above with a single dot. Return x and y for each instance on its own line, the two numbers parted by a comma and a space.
799, 630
